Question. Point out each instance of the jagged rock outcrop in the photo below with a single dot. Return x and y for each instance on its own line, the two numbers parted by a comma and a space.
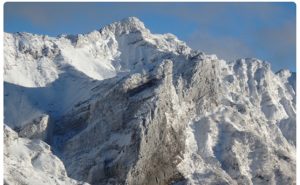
147, 109
37, 129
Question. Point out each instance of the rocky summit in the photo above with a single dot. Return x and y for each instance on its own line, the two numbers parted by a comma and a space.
121, 105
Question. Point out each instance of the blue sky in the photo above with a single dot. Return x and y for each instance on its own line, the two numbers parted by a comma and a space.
231, 30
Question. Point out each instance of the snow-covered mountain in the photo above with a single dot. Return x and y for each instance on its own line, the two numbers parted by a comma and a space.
124, 106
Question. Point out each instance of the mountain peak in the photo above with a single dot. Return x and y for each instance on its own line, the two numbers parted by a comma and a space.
126, 25
133, 21
130, 107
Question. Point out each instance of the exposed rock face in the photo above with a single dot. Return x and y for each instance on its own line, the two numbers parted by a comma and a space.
37, 129
165, 114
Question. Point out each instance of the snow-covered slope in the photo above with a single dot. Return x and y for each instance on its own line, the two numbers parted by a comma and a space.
44, 74
124, 106
32, 162
121, 46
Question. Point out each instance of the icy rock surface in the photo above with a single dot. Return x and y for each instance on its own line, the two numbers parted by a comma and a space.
125, 106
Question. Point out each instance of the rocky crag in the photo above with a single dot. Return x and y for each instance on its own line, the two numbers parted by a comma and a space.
124, 106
